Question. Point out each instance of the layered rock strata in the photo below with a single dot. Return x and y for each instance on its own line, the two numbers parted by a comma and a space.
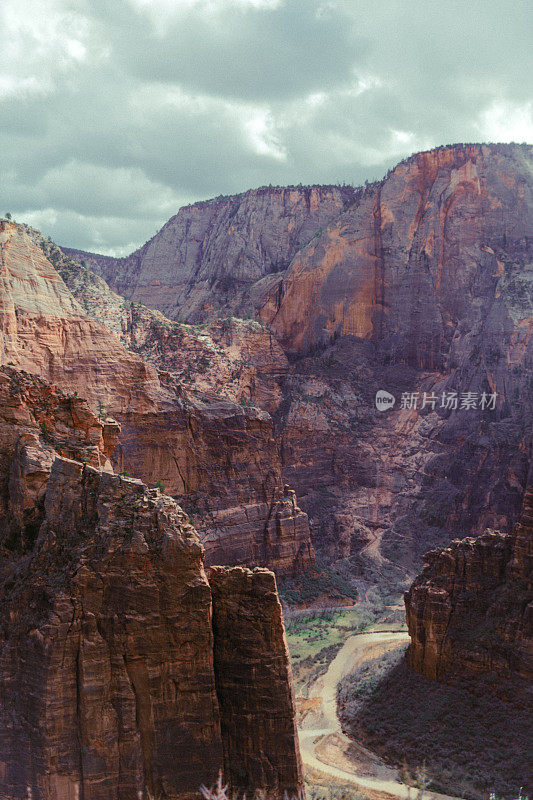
216, 453
253, 680
37, 423
115, 682
45, 331
471, 609
190, 269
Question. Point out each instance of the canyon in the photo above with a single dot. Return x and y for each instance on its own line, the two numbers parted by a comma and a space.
182, 425
420, 285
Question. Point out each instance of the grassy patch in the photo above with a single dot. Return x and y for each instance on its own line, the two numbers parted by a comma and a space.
315, 637
315, 582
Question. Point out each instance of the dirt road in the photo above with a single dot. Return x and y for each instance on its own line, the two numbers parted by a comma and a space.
323, 745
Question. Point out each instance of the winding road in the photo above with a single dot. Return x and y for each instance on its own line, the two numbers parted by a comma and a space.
323, 745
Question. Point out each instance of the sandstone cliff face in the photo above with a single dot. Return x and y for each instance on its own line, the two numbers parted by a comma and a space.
43, 330
210, 254
423, 285
37, 423
107, 655
253, 679
220, 460
207, 449
471, 609
239, 359
416, 262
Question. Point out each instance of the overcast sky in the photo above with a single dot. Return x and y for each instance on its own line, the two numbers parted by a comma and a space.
114, 113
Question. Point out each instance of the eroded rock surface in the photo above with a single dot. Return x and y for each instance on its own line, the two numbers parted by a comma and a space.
211, 254
37, 423
471, 609
110, 687
208, 449
254, 682
45, 331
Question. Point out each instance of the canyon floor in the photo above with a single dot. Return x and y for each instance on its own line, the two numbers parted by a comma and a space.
331, 759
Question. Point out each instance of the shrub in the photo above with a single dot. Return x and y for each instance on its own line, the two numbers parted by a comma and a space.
473, 732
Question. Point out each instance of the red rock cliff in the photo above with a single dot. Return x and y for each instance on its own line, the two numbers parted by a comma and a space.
210, 255
218, 455
406, 262
37, 423
109, 683
254, 683
471, 609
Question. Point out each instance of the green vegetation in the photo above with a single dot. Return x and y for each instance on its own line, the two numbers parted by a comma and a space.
160, 485
315, 636
308, 586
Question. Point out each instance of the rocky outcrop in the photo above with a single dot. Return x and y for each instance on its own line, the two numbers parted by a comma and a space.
220, 460
210, 255
37, 423
115, 682
253, 679
471, 609
217, 454
45, 331
275, 532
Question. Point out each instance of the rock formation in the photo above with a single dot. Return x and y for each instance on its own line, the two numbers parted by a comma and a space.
422, 286
191, 268
123, 671
115, 681
239, 359
471, 609
419, 253
45, 331
253, 680
37, 423
216, 454
421, 283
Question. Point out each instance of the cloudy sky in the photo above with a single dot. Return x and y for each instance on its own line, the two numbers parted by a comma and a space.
114, 113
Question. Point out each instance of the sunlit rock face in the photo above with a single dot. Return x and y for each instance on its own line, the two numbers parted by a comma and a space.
214, 452
417, 285
210, 255
45, 331
115, 681
471, 609
415, 263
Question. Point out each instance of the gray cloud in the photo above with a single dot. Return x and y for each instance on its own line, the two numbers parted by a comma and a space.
113, 113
